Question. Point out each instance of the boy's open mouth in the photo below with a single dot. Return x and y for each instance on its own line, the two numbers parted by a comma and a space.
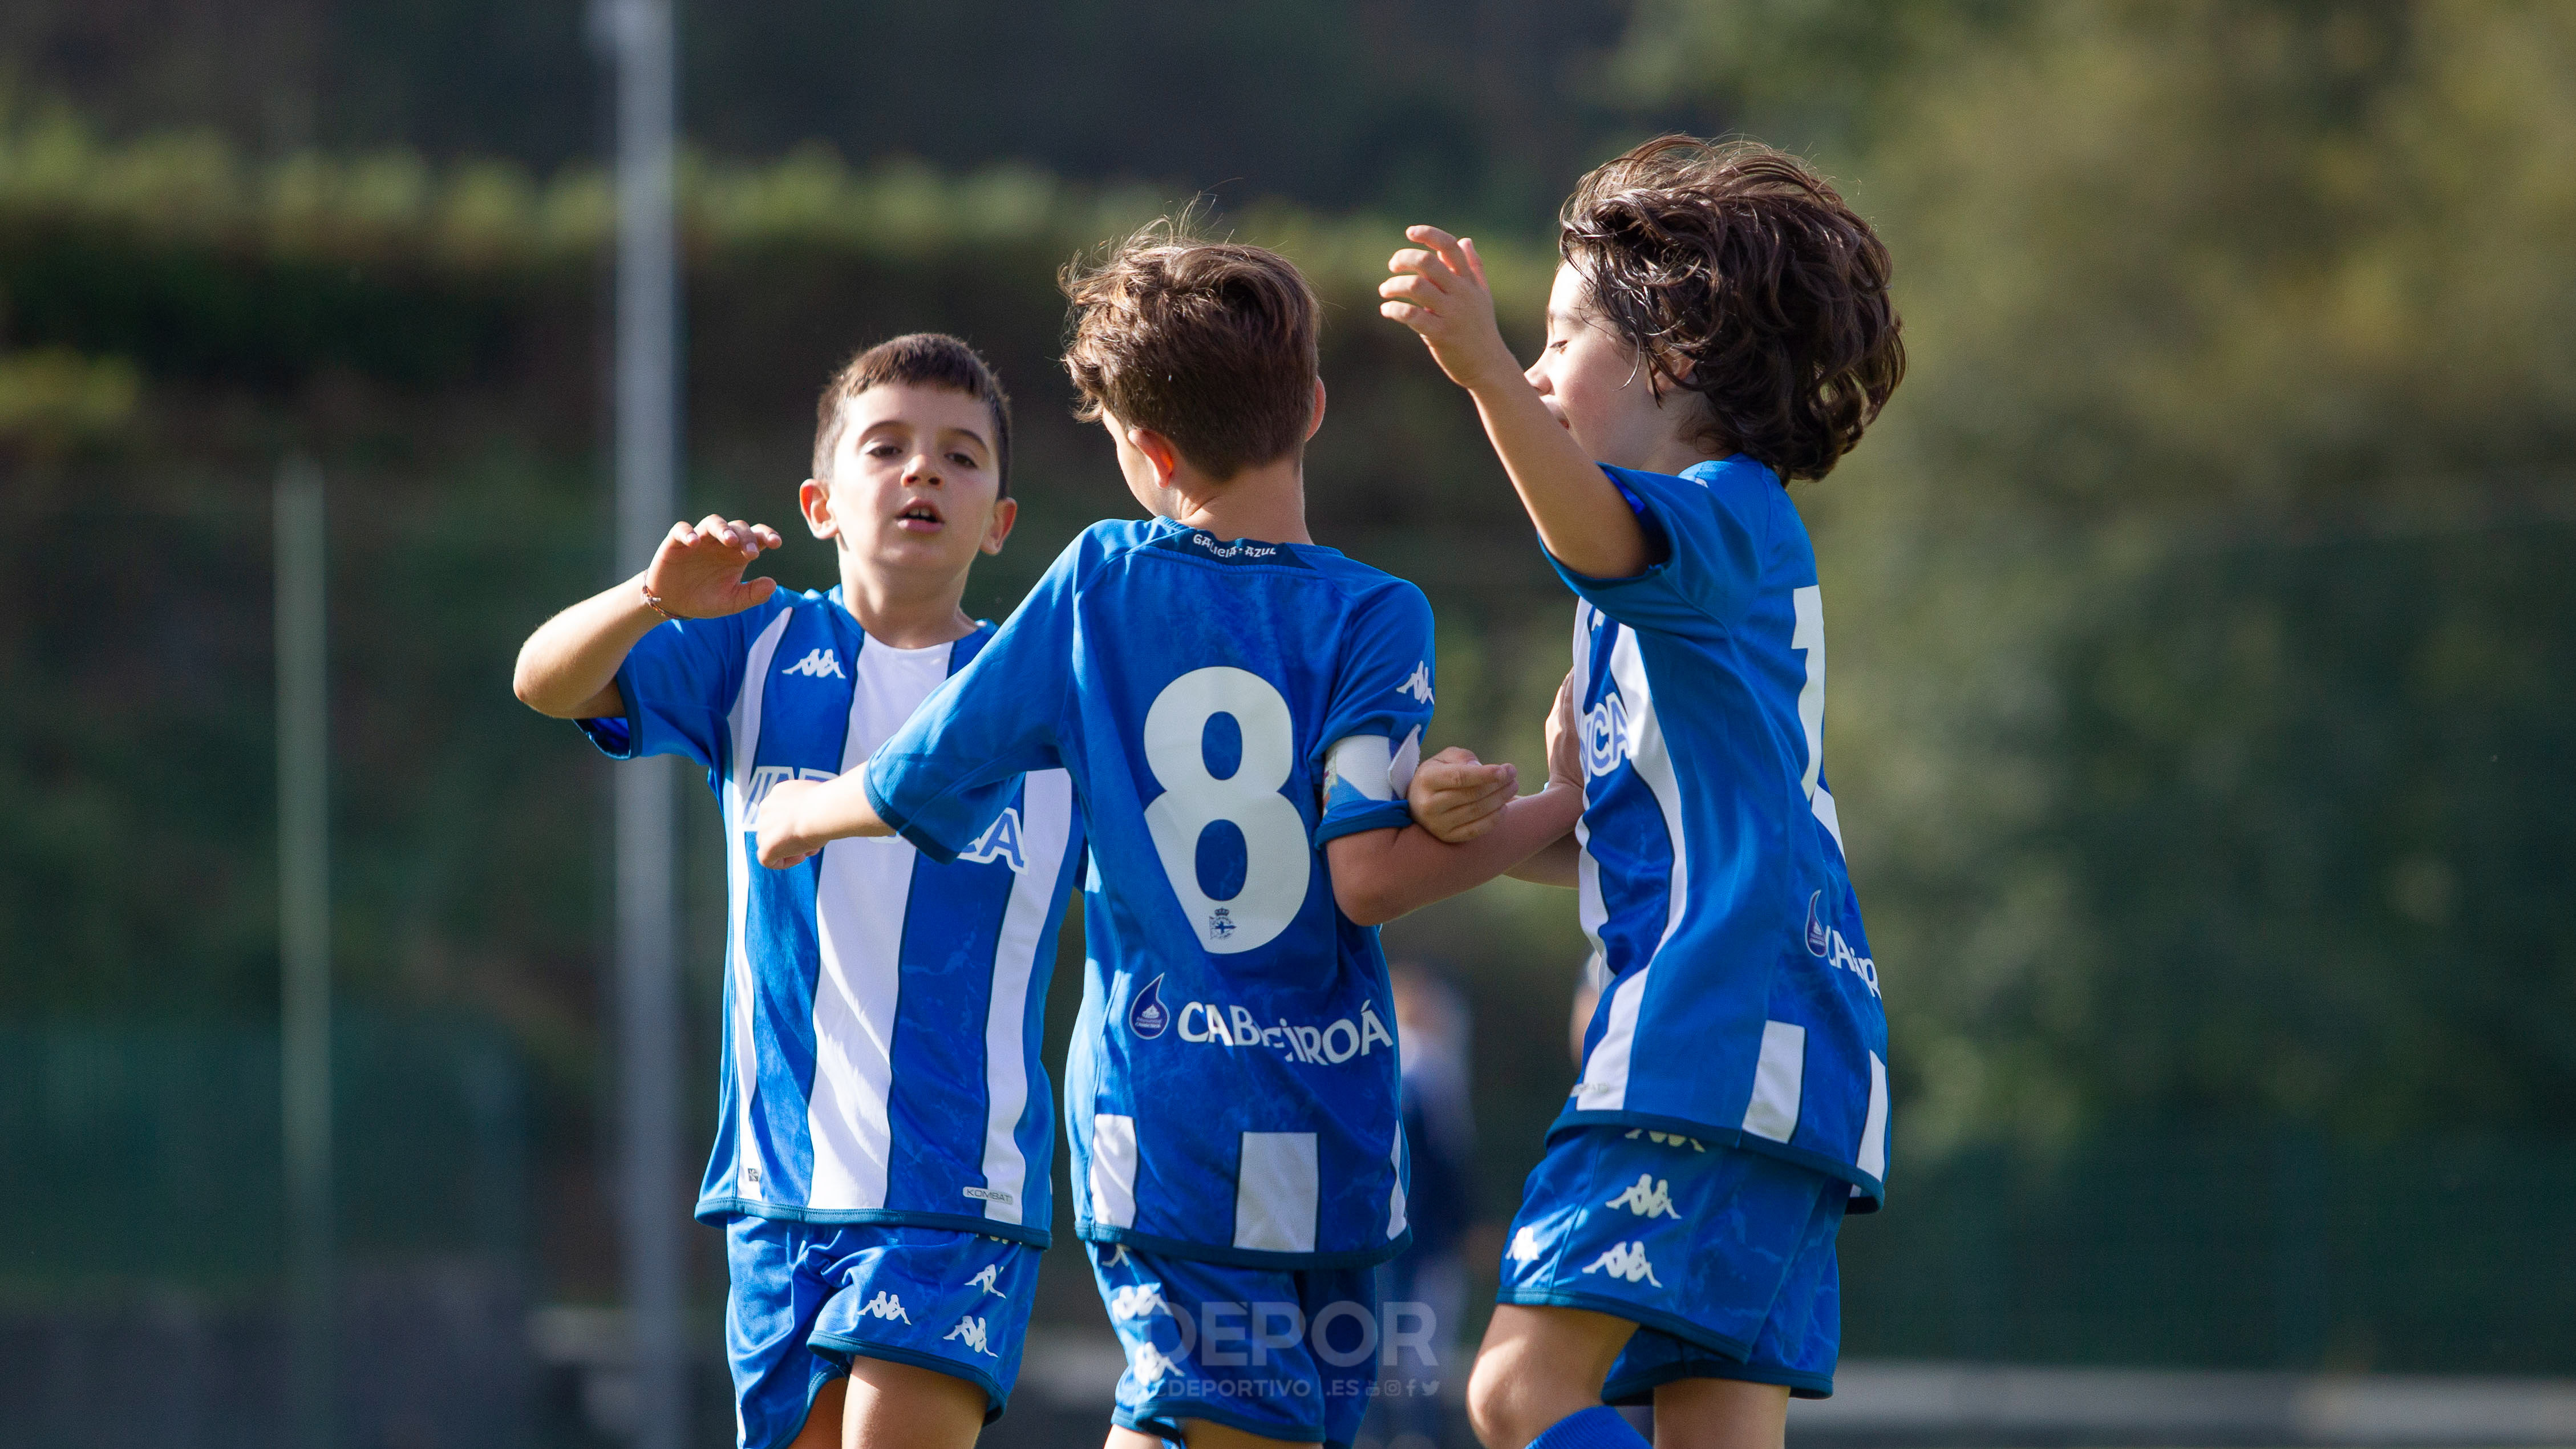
921, 516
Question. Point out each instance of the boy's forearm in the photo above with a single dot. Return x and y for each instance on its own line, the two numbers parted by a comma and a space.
1379, 875
1580, 516
800, 817
568, 668
1558, 863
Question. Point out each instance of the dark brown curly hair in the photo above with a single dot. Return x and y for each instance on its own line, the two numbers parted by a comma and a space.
1741, 275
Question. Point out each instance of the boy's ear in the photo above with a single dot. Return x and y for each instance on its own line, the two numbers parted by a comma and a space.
814, 500
1315, 424
1006, 511
1158, 450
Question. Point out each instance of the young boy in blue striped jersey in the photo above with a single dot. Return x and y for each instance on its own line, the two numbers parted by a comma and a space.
1240, 709
881, 1166
1719, 326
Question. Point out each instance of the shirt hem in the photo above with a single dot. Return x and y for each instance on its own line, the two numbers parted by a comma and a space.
1235, 1257
1873, 1191
903, 825
717, 1209
1391, 815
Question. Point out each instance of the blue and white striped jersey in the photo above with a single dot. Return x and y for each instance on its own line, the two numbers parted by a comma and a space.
1225, 710
882, 1011
1742, 1003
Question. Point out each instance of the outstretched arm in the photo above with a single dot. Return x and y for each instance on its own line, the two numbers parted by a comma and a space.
800, 817
568, 667
1379, 875
1439, 291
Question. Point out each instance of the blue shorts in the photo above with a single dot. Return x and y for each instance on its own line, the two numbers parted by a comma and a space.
1723, 1258
807, 1297
1284, 1353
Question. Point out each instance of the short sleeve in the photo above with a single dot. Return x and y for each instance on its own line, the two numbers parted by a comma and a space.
952, 768
1382, 697
678, 683
1715, 535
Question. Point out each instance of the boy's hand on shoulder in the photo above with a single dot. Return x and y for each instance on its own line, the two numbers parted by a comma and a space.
697, 572
1439, 291
781, 844
1457, 797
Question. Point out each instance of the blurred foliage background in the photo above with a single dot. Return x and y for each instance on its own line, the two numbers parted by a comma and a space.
2204, 606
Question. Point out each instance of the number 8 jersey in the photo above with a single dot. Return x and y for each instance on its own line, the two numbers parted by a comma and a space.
1224, 710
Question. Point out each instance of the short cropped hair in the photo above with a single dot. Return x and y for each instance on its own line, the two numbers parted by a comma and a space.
1740, 275
917, 359
1211, 344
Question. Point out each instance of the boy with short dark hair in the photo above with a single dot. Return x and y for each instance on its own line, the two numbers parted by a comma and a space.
1719, 325
1241, 711
881, 1166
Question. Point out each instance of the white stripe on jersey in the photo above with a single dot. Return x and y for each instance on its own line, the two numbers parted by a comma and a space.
1113, 1170
1872, 1157
1605, 1075
1046, 821
860, 894
1277, 1188
743, 725
1590, 909
1779, 1082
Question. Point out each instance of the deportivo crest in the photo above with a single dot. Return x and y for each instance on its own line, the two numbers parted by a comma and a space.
1647, 1197
1146, 1015
1627, 1262
1221, 925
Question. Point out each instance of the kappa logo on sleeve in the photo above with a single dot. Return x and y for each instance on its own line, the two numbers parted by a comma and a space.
817, 664
1130, 1301
1525, 1247
1419, 686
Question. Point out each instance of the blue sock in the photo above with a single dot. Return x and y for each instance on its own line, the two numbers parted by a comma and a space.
1594, 1428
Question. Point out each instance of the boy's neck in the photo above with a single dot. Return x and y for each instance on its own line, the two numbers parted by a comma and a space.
1266, 504
903, 613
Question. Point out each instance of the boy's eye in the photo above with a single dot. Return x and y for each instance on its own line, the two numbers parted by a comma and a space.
962, 460
882, 450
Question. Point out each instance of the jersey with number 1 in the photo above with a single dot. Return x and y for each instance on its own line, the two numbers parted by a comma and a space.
1224, 709
882, 1012
1742, 1003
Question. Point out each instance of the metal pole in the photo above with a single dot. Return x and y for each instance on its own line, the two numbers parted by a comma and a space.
638, 34
304, 930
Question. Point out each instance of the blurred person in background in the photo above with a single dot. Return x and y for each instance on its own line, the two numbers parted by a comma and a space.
1433, 1033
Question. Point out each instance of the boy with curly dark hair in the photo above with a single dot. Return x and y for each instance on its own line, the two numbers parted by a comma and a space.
1720, 326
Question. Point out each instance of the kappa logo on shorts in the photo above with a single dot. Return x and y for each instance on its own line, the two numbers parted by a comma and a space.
1131, 1301
1627, 1262
1525, 1246
817, 664
971, 1329
1150, 1364
1647, 1197
885, 1305
986, 1279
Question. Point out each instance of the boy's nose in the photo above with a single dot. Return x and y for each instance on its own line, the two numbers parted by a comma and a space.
1537, 375
923, 469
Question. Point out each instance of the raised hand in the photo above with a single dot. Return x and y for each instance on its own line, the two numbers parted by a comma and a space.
1439, 291
1457, 797
697, 571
